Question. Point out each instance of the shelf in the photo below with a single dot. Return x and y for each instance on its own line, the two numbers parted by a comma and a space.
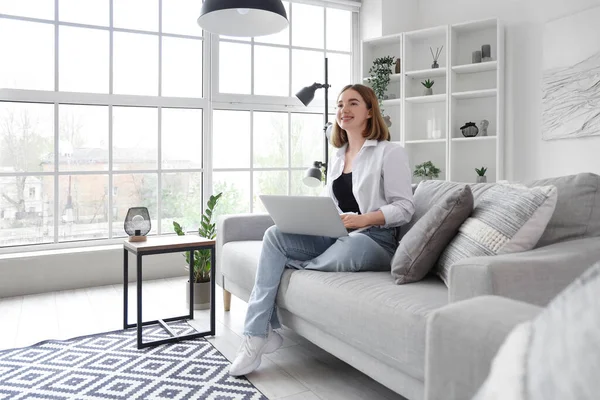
391, 102
384, 40
474, 68
473, 139
475, 94
434, 98
425, 141
427, 73
426, 33
393, 77
473, 26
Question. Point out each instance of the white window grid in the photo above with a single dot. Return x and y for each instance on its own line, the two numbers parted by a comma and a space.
57, 98
210, 100
290, 105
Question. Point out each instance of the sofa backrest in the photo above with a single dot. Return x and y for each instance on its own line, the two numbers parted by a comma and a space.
577, 213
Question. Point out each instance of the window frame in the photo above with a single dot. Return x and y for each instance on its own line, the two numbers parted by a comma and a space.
290, 105
209, 101
110, 100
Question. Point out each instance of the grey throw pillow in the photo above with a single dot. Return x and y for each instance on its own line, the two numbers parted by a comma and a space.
420, 248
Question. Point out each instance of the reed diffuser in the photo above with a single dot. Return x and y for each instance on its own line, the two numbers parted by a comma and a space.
438, 51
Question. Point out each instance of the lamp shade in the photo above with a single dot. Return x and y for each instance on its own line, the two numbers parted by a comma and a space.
307, 94
313, 177
243, 17
137, 221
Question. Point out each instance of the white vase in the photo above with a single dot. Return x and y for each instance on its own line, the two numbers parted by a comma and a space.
201, 295
481, 179
388, 120
428, 92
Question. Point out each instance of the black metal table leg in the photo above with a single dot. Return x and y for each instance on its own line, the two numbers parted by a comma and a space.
139, 301
191, 284
125, 286
212, 290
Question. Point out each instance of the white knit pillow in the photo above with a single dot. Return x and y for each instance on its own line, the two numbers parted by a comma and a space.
507, 218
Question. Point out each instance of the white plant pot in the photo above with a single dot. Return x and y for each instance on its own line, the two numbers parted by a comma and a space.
201, 295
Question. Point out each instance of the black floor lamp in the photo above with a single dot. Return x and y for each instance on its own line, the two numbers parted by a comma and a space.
313, 176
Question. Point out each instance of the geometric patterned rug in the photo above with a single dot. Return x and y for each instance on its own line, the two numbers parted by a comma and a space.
109, 366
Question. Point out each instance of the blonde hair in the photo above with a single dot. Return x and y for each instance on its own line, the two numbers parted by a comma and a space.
376, 127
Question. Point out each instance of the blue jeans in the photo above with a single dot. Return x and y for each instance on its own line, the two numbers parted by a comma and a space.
368, 250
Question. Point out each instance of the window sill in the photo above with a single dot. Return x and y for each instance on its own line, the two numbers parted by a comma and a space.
53, 252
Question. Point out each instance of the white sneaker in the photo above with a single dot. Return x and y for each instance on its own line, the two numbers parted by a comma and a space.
253, 347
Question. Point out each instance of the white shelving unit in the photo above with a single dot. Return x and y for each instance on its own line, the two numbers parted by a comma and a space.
381, 47
429, 125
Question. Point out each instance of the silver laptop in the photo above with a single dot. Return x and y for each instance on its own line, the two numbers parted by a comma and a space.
305, 215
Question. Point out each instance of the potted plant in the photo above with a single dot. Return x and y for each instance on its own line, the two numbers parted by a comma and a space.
202, 258
428, 84
426, 171
379, 80
481, 178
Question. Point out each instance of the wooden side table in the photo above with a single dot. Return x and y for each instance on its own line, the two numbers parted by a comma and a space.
161, 245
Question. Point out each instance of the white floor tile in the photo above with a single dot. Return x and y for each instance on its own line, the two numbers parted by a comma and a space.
308, 395
10, 312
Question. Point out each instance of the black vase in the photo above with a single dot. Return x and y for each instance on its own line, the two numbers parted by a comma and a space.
469, 129
435, 64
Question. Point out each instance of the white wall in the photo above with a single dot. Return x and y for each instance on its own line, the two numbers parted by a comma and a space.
399, 16
527, 155
386, 17
40, 272
371, 19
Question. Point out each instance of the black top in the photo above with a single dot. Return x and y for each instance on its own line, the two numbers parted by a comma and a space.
342, 189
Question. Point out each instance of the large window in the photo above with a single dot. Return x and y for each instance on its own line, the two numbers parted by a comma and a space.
99, 112
263, 137
104, 105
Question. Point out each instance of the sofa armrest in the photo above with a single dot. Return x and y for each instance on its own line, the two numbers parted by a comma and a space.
236, 227
462, 340
534, 276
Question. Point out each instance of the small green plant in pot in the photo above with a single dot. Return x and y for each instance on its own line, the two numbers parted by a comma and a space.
481, 178
427, 171
202, 258
428, 87
379, 79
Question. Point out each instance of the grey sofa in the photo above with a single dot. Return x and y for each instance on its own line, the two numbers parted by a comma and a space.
379, 327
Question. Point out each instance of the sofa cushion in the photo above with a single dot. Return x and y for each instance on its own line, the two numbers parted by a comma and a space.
239, 261
367, 310
506, 219
430, 192
420, 248
577, 213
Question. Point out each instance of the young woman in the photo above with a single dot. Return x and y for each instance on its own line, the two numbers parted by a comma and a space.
370, 181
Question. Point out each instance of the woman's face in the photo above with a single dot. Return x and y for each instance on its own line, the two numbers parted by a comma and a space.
352, 112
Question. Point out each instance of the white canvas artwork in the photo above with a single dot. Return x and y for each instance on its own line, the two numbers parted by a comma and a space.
571, 76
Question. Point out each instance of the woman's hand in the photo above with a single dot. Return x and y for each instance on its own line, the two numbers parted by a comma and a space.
353, 221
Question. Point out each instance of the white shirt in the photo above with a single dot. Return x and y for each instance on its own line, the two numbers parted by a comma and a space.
381, 180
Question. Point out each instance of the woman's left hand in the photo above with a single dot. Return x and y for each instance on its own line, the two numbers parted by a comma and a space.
353, 221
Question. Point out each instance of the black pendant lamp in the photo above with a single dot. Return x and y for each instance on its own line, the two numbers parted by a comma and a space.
244, 18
